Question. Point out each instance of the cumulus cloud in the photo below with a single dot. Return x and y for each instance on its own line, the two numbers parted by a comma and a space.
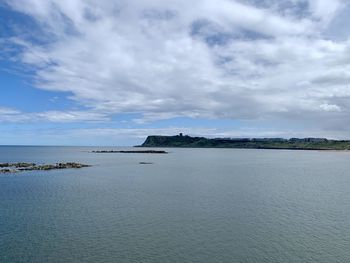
330, 107
209, 59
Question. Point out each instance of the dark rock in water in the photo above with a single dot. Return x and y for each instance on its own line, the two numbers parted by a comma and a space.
145, 163
7, 171
24, 165
17, 167
132, 151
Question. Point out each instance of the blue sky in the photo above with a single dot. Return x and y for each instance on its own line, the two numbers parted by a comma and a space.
112, 72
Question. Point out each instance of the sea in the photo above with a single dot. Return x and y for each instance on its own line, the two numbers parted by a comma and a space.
190, 205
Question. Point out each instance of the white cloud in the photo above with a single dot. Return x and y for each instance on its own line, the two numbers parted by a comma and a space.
325, 9
128, 137
234, 14
15, 116
244, 61
11, 115
8, 111
330, 107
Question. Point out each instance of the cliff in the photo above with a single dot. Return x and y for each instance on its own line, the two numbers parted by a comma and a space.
250, 143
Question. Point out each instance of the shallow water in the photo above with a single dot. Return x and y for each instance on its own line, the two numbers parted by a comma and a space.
191, 205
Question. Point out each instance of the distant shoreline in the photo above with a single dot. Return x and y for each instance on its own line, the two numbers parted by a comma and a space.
306, 144
131, 151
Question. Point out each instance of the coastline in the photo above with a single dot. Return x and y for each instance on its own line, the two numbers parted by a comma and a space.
295, 144
246, 148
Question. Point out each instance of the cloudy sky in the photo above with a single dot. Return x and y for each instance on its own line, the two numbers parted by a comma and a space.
110, 72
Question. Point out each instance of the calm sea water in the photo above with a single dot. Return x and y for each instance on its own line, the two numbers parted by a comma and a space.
192, 205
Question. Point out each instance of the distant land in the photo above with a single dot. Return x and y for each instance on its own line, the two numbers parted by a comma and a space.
144, 151
246, 143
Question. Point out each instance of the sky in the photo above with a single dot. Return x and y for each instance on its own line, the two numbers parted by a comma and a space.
111, 72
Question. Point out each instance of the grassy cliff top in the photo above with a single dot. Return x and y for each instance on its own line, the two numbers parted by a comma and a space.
251, 143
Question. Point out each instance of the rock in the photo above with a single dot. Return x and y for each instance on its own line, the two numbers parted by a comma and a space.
23, 165
7, 170
132, 151
34, 167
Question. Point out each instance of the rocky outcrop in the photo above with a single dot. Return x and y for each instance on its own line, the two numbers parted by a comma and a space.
18, 167
133, 151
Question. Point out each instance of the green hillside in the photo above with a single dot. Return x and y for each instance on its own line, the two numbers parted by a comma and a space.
250, 143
